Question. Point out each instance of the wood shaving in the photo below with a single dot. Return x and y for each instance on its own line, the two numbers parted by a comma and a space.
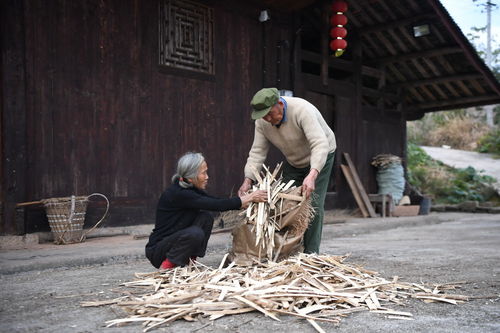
317, 288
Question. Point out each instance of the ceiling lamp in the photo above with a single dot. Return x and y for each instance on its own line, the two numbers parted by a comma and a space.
421, 30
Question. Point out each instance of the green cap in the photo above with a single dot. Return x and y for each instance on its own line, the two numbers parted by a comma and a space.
263, 101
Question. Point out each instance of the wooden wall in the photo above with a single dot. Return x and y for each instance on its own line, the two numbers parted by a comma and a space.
102, 116
86, 108
13, 112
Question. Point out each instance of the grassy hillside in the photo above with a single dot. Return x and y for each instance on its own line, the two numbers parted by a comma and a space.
459, 129
445, 184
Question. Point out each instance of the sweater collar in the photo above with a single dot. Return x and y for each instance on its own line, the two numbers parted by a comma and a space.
283, 120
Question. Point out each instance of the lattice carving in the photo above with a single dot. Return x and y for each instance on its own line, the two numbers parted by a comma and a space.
186, 36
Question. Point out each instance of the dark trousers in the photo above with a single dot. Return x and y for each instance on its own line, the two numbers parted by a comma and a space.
183, 244
312, 237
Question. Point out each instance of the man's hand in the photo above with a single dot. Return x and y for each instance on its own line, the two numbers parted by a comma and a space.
309, 183
247, 184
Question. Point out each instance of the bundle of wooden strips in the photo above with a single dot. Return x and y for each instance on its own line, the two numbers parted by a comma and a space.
266, 217
317, 288
383, 160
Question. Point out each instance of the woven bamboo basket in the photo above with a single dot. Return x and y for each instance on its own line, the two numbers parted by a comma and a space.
66, 217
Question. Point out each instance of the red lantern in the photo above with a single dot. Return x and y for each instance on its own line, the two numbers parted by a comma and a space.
338, 32
338, 44
339, 6
338, 19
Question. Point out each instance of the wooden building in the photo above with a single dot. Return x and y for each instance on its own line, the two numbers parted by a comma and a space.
104, 96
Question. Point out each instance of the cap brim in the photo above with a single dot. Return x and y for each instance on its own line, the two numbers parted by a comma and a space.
261, 113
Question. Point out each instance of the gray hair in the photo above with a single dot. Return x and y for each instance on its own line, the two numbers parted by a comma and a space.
188, 167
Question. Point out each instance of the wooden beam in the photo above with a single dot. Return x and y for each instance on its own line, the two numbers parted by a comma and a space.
30, 203
446, 66
334, 87
414, 116
380, 94
456, 101
469, 51
287, 6
373, 72
354, 190
342, 64
438, 79
371, 109
333, 62
396, 23
397, 37
359, 185
419, 54
436, 65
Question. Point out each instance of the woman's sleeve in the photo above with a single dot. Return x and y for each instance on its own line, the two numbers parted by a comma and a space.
193, 200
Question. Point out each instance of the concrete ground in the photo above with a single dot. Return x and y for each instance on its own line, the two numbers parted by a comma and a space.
43, 285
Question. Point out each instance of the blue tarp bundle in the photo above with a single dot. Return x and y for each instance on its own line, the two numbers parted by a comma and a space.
391, 180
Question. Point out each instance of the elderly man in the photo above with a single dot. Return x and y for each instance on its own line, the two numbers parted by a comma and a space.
298, 130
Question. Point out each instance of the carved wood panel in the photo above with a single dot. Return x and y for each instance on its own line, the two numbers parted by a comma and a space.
186, 36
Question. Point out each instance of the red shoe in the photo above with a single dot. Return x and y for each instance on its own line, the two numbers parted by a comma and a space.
167, 264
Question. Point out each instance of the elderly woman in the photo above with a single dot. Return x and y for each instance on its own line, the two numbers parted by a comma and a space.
183, 226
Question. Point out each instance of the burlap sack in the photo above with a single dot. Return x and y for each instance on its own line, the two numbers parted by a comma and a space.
287, 241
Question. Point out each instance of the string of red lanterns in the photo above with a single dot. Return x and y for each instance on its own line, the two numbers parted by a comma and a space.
337, 32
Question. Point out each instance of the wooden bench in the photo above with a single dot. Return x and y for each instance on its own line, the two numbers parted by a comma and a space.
383, 202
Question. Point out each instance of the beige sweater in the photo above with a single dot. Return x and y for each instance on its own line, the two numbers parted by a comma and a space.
304, 138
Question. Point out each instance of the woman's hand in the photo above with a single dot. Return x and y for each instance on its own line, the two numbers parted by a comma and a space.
256, 196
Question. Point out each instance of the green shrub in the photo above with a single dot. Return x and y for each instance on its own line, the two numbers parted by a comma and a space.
468, 184
490, 143
445, 184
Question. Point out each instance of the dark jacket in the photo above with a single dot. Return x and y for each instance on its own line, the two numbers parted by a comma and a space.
178, 207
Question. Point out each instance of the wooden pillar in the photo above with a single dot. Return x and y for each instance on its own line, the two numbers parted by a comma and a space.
13, 109
404, 138
298, 87
381, 87
325, 51
357, 108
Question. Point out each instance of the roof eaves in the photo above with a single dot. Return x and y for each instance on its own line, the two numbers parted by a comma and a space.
464, 43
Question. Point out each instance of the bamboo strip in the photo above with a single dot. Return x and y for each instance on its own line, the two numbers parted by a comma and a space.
256, 307
308, 286
290, 197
